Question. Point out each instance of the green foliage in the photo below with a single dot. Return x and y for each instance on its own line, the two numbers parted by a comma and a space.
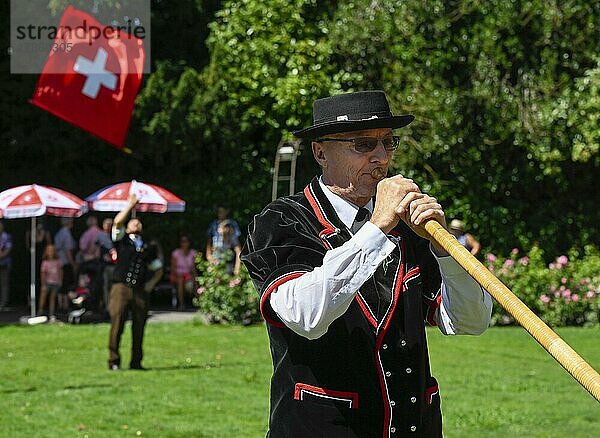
267, 62
225, 298
565, 292
505, 95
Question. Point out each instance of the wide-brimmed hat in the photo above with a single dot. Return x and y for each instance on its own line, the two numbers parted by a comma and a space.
352, 112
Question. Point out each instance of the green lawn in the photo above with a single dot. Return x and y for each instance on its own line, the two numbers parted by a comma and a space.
213, 382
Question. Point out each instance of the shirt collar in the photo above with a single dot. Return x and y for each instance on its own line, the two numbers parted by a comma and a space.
137, 239
345, 210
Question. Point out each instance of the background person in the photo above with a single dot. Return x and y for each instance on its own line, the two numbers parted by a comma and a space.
65, 246
108, 257
88, 245
5, 265
213, 229
42, 239
457, 229
226, 248
183, 269
51, 272
137, 270
346, 298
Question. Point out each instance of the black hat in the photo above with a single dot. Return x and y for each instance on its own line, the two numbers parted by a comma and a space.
352, 112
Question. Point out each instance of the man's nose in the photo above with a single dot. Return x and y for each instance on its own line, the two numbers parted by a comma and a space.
380, 154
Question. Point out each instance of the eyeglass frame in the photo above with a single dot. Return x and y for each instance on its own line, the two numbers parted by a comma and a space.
395, 142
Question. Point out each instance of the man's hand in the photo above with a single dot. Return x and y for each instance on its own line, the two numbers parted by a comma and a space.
400, 198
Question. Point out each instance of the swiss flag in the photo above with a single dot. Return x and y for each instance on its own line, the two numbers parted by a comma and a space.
98, 80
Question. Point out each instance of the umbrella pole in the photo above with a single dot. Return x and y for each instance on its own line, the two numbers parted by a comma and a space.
32, 254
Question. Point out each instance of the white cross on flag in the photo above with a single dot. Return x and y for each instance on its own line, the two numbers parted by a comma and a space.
102, 75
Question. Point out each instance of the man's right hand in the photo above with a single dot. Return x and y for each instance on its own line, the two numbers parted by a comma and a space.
390, 191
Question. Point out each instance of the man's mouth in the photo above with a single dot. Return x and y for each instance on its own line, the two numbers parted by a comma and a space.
378, 173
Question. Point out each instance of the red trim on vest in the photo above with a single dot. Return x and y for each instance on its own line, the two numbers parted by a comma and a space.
386, 399
328, 227
414, 272
432, 308
430, 392
274, 285
365, 309
302, 388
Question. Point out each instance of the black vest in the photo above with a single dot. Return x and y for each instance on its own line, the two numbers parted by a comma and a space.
368, 376
132, 264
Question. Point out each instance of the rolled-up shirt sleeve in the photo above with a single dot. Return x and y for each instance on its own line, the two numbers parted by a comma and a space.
309, 303
465, 307
117, 233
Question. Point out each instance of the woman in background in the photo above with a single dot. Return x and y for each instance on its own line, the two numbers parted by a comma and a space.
183, 269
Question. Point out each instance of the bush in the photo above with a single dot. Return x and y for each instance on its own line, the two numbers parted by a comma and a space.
565, 292
225, 298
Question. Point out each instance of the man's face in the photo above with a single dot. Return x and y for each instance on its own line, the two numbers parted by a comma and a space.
134, 226
107, 224
222, 213
351, 170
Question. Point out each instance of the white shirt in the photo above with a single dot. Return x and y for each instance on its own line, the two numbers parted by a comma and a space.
310, 303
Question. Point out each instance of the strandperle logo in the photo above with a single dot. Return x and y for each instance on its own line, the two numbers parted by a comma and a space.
37, 29
81, 32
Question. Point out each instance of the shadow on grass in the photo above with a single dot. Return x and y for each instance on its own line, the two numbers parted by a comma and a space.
206, 366
66, 388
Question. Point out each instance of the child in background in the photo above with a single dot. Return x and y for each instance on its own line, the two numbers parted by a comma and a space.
51, 279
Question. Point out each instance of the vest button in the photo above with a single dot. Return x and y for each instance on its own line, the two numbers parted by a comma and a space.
392, 403
413, 399
388, 374
384, 346
393, 429
413, 428
408, 371
403, 343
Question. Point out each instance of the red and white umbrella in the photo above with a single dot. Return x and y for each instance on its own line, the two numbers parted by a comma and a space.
33, 201
150, 197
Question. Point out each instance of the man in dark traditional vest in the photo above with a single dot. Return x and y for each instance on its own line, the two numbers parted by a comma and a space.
137, 270
348, 279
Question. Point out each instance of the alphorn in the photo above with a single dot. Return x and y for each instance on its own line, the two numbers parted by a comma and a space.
574, 364
587, 376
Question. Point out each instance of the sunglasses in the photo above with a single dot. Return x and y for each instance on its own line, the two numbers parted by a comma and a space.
368, 144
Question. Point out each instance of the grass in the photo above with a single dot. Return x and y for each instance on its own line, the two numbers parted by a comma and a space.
211, 381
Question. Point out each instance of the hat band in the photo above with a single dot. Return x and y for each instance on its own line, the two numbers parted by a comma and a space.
354, 117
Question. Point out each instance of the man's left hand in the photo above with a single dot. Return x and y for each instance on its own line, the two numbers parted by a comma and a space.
417, 208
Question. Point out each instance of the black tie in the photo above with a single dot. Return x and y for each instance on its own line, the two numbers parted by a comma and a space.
362, 216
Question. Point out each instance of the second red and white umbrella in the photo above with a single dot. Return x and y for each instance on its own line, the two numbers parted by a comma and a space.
150, 197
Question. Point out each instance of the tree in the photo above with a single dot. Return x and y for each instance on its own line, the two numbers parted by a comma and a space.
493, 86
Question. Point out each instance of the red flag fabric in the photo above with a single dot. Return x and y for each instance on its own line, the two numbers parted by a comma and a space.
92, 76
